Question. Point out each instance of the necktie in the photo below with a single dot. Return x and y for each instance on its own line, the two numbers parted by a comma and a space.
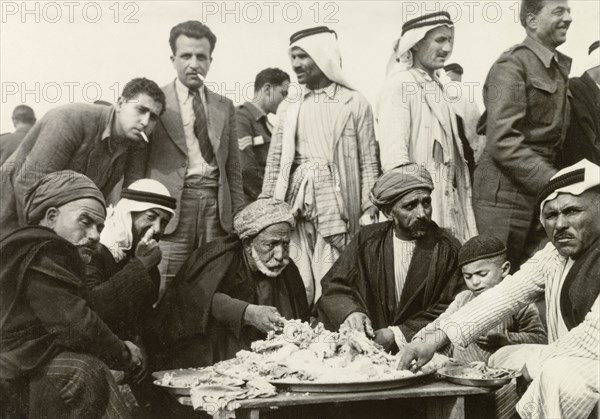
201, 128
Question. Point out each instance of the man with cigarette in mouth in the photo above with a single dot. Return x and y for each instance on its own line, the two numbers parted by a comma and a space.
194, 152
105, 143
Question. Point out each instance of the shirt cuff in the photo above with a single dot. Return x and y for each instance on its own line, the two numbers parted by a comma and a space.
398, 337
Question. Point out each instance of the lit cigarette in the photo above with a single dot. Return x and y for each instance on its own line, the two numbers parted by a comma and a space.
200, 76
148, 235
143, 134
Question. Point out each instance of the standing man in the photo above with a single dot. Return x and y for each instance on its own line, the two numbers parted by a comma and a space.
323, 157
567, 271
23, 119
583, 137
525, 96
194, 152
104, 143
254, 129
418, 125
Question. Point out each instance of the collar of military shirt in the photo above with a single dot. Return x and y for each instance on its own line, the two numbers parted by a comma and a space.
412, 32
322, 46
574, 180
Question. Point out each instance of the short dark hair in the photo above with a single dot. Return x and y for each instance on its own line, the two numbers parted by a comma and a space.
274, 76
192, 29
146, 86
530, 6
24, 113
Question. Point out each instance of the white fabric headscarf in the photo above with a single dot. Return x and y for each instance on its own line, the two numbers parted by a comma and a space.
324, 50
117, 235
574, 180
414, 30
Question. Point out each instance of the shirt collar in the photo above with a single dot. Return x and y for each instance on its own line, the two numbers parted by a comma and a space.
256, 112
330, 91
542, 52
183, 92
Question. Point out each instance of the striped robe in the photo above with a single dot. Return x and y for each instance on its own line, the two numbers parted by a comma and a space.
566, 372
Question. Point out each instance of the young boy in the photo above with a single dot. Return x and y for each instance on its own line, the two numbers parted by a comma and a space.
483, 263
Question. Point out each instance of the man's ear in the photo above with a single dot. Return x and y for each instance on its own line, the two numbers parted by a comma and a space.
387, 212
50, 217
531, 21
505, 269
120, 103
247, 244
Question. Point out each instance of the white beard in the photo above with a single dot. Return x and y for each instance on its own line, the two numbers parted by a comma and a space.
270, 272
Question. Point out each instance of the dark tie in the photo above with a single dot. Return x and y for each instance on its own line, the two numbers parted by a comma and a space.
201, 128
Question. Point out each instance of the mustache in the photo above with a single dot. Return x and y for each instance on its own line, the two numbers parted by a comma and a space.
560, 236
275, 264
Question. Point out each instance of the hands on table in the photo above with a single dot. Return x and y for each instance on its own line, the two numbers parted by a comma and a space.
360, 322
493, 340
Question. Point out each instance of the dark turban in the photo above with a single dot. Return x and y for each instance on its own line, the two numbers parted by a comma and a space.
56, 190
398, 182
480, 247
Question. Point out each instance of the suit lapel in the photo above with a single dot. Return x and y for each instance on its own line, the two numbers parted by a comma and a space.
217, 112
171, 118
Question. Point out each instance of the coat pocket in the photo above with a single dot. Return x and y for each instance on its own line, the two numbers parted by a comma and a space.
541, 105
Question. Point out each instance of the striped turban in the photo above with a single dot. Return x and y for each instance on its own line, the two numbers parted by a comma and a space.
261, 214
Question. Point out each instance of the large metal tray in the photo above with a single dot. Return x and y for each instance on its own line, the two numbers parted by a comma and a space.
452, 374
342, 387
190, 374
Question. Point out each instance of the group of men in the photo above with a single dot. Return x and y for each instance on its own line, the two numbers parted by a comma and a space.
228, 223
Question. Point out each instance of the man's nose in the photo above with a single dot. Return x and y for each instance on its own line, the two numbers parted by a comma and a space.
278, 253
93, 234
561, 222
447, 47
567, 17
145, 118
420, 212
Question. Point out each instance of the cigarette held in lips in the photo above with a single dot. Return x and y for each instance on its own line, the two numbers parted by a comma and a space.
143, 134
200, 76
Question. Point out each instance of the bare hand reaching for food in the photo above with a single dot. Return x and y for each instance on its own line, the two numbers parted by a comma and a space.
264, 318
361, 322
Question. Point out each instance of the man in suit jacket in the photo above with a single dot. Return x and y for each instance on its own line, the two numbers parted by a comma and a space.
194, 152
102, 142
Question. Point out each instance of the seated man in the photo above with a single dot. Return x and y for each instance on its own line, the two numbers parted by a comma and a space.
233, 290
51, 341
396, 276
565, 372
122, 277
482, 260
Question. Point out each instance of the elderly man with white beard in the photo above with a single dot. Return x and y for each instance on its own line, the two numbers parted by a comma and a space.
233, 291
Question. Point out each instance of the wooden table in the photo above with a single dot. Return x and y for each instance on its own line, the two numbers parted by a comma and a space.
444, 400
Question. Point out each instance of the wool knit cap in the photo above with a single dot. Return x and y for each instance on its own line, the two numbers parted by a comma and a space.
480, 247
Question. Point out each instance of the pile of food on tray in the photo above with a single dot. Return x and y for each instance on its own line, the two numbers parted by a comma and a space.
299, 353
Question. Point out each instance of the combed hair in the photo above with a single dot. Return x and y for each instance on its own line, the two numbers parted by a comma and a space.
274, 76
530, 6
192, 29
147, 86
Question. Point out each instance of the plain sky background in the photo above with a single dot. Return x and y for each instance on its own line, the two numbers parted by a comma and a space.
53, 53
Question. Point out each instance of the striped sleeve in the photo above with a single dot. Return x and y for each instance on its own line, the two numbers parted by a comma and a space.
505, 299
582, 341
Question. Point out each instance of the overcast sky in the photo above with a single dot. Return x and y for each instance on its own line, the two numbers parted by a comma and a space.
53, 53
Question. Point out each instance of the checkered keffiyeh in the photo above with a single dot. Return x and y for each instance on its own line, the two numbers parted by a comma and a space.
261, 214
